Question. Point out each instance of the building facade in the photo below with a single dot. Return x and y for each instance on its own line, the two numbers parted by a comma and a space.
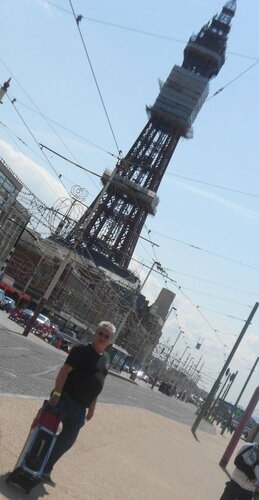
13, 216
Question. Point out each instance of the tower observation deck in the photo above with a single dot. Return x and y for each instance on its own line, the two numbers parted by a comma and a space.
115, 226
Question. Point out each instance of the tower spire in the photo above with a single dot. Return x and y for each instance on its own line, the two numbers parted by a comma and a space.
205, 53
231, 5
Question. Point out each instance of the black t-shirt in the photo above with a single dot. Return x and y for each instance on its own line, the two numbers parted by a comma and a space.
85, 382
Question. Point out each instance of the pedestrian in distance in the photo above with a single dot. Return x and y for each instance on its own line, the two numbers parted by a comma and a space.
244, 484
77, 386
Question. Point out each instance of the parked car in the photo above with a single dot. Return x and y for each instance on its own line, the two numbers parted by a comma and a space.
27, 313
16, 315
9, 304
2, 299
43, 320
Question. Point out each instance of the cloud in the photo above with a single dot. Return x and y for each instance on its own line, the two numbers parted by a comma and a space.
34, 176
235, 207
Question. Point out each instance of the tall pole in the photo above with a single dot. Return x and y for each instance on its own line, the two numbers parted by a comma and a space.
123, 322
33, 274
210, 413
187, 373
65, 262
178, 375
239, 430
239, 397
231, 380
180, 359
216, 384
225, 411
169, 354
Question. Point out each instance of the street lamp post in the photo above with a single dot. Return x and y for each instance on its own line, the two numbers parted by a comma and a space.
216, 384
169, 354
221, 405
178, 362
211, 411
123, 322
239, 397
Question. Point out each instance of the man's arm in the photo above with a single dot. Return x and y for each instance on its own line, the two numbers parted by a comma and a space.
59, 384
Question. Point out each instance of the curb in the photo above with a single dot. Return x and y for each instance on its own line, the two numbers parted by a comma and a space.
115, 374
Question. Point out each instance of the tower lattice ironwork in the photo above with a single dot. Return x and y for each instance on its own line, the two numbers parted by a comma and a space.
115, 227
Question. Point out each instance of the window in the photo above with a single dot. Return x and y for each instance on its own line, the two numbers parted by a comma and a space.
2, 177
8, 186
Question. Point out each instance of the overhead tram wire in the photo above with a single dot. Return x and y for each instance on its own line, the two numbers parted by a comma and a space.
77, 21
9, 131
37, 109
162, 235
196, 307
152, 243
155, 255
221, 314
19, 148
42, 146
217, 297
100, 148
35, 140
232, 81
184, 42
224, 188
222, 285
214, 254
141, 32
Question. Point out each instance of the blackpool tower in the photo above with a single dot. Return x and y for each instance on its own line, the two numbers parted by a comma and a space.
113, 230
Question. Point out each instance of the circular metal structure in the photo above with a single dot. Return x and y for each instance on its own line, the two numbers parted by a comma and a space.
79, 192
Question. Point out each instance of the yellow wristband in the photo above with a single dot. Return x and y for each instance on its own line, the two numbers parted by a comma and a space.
56, 393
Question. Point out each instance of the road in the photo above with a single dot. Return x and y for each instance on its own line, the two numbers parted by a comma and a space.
28, 367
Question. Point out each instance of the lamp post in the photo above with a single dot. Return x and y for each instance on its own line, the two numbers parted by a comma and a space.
123, 322
180, 359
228, 421
169, 354
216, 384
212, 409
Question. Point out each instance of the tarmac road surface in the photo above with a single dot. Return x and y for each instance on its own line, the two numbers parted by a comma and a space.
28, 366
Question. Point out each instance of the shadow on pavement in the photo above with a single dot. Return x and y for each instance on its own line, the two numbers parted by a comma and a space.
195, 436
226, 472
10, 492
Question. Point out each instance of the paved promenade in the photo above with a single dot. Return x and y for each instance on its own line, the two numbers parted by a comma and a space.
122, 453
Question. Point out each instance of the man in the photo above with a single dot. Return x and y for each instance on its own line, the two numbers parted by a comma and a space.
244, 484
78, 384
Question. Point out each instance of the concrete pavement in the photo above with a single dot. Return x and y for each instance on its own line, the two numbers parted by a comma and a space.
122, 452
11, 326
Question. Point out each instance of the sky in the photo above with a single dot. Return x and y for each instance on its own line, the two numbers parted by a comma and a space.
51, 76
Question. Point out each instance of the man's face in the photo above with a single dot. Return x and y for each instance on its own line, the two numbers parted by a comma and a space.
103, 338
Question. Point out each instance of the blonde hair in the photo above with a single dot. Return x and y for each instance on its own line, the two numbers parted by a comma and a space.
106, 324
